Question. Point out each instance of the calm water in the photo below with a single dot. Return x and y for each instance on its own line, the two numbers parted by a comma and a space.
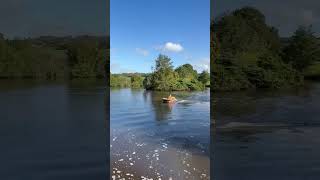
151, 139
267, 135
52, 130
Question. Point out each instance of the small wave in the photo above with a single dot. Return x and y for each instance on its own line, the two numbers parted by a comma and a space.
184, 101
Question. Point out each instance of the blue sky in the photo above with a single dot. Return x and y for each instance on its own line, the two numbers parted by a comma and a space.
142, 29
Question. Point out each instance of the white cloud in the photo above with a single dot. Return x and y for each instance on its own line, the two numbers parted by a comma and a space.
143, 52
202, 64
171, 47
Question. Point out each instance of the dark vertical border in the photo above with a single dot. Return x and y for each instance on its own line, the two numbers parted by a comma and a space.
212, 102
107, 99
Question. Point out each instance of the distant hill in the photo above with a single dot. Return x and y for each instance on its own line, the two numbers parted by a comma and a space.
60, 42
133, 74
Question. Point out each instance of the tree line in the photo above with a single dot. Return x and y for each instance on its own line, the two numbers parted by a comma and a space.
51, 57
248, 53
164, 78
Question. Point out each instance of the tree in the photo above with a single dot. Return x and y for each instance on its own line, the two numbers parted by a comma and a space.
136, 81
164, 76
148, 82
163, 62
83, 56
204, 77
119, 81
53, 57
186, 71
214, 45
246, 53
303, 48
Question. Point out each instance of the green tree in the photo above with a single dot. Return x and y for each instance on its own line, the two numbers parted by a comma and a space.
303, 48
204, 77
246, 53
83, 56
163, 62
148, 82
136, 81
164, 76
53, 57
186, 71
119, 81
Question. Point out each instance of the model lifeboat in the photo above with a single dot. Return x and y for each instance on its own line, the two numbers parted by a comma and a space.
169, 99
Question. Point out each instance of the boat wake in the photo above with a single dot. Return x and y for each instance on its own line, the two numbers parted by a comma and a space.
184, 101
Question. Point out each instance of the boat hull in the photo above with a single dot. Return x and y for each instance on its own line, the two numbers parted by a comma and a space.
165, 100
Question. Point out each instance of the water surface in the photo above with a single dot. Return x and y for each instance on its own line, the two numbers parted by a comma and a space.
151, 139
267, 134
52, 130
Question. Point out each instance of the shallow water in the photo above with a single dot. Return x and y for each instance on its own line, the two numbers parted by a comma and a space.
267, 134
151, 139
52, 130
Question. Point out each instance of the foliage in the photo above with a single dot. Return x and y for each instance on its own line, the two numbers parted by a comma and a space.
303, 49
247, 53
53, 57
312, 71
165, 78
86, 59
19, 59
147, 82
137, 81
126, 80
163, 63
119, 81
204, 77
186, 71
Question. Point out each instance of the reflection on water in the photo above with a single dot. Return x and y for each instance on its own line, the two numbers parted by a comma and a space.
151, 139
52, 130
267, 134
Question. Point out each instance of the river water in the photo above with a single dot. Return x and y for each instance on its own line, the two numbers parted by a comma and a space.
267, 134
57, 131
151, 139
52, 130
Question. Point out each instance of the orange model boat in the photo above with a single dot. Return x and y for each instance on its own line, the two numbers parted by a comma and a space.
169, 99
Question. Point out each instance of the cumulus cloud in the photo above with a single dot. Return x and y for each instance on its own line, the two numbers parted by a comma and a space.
202, 64
143, 52
171, 47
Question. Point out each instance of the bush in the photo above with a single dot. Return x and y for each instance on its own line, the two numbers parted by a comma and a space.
165, 78
136, 81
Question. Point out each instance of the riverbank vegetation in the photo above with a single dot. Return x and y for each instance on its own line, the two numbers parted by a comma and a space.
248, 53
127, 80
164, 78
51, 57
